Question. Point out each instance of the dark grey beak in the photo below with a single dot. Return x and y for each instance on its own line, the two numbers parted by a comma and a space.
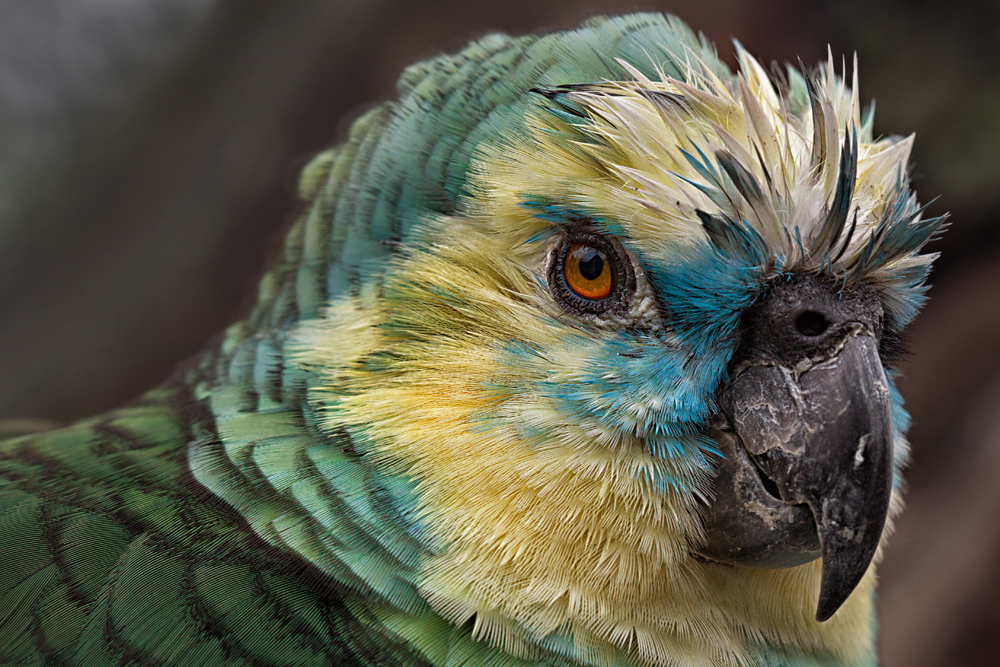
807, 467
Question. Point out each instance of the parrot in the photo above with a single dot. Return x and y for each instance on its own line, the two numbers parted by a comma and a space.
582, 351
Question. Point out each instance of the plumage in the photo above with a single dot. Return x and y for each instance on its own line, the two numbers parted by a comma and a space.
426, 446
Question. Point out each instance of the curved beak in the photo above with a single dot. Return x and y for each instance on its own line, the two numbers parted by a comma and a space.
823, 438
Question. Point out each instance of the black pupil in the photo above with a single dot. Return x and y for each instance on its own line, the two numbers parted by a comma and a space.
591, 263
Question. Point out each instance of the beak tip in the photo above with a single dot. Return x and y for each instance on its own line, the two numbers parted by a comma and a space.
825, 609
842, 572
823, 615
831, 597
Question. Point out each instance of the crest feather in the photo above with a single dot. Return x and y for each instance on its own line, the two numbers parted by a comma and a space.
790, 159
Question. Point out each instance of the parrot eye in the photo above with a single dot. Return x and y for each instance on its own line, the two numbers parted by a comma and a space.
591, 275
588, 272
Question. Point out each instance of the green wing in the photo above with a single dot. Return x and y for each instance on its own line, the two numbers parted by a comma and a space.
113, 554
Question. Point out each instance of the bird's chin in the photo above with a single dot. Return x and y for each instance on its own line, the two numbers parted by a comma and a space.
747, 522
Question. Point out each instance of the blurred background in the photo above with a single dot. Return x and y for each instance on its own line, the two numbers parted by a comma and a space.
148, 159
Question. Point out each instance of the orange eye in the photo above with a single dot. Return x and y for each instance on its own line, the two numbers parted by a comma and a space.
588, 272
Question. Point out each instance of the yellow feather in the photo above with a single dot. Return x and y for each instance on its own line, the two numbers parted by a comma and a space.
562, 536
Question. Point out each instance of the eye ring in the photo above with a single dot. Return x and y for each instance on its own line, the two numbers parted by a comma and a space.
591, 275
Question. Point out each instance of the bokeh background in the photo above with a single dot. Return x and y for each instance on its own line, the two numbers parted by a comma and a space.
148, 155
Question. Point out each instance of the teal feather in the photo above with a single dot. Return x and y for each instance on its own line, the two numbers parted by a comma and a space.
216, 520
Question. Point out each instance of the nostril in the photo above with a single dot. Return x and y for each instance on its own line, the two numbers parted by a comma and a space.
811, 323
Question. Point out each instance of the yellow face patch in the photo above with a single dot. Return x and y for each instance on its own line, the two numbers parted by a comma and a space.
545, 525
555, 537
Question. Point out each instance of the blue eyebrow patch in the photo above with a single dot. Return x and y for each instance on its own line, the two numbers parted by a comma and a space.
555, 212
562, 214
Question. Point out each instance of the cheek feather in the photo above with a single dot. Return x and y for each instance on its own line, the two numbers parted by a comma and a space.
546, 516
543, 364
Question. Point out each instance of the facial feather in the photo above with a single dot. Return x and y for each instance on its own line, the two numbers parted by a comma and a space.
560, 462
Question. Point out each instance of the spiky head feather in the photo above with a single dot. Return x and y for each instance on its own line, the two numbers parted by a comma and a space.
556, 463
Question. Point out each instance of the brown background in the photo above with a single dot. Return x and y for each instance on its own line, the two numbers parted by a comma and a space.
148, 154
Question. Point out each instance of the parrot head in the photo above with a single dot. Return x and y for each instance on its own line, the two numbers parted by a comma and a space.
640, 381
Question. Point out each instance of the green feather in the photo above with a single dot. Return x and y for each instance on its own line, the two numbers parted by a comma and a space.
216, 521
